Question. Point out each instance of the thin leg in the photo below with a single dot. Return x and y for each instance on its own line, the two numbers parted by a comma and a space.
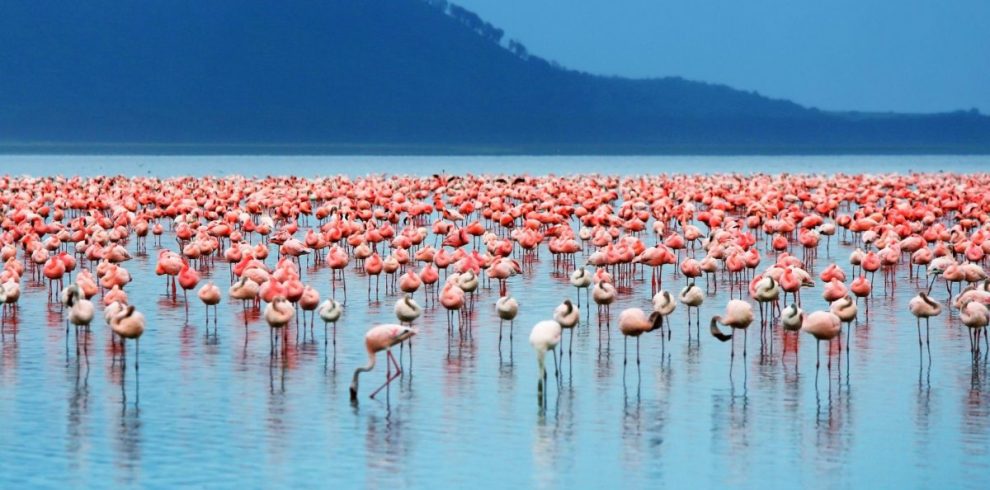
625, 352
818, 354
389, 362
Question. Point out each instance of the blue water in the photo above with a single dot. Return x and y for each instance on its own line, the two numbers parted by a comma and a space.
209, 411
260, 165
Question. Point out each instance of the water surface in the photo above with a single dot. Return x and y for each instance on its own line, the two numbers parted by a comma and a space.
220, 411
309, 166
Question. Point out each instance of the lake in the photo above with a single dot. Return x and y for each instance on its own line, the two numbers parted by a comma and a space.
219, 411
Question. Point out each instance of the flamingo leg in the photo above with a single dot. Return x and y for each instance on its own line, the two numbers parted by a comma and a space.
637, 353
818, 354
389, 362
625, 353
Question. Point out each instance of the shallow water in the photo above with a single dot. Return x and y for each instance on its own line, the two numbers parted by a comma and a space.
209, 410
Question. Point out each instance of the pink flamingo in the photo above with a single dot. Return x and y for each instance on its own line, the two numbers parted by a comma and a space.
452, 299
921, 306
633, 322
209, 294
373, 267
188, 279
738, 315
822, 325
834, 290
382, 337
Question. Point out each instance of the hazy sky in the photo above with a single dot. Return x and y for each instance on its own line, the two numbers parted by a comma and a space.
902, 55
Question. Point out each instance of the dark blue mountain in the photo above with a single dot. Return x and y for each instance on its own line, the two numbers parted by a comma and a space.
378, 75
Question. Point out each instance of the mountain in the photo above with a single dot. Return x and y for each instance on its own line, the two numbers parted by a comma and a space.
379, 76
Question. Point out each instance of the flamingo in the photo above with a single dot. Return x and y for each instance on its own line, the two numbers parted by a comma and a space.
692, 297
409, 282
603, 293
209, 294
921, 306
633, 322
309, 301
430, 278
382, 338
507, 307
468, 282
764, 290
664, 305
337, 259
567, 315
791, 283
80, 309
129, 324
845, 309
738, 315
245, 290
580, 279
791, 318
862, 289
53, 270
373, 266
10, 293
545, 337
188, 279
278, 314
452, 299
974, 315
169, 265
834, 290
822, 325
330, 311
871, 263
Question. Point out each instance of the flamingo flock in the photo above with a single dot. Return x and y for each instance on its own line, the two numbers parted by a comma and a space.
439, 241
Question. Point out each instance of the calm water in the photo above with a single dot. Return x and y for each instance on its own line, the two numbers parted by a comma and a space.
250, 165
219, 411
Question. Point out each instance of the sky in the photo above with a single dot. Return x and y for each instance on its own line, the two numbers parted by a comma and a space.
871, 55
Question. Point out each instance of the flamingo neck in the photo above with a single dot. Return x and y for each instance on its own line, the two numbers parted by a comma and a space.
657, 322
362, 369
